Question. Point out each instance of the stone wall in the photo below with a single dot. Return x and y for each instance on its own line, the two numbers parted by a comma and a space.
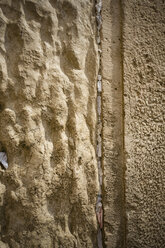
133, 123
48, 70
114, 207
48, 123
143, 77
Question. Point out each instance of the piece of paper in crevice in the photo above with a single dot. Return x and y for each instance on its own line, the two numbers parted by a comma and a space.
3, 159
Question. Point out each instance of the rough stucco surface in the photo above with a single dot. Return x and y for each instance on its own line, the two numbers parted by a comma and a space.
133, 60
144, 61
48, 69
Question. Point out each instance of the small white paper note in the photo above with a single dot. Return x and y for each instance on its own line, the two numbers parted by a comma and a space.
3, 159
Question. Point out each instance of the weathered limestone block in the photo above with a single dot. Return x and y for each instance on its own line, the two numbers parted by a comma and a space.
144, 57
48, 72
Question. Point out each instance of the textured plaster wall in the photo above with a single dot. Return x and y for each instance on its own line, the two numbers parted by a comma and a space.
48, 71
144, 95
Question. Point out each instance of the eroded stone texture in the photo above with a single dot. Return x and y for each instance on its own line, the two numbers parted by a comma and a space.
48, 69
144, 58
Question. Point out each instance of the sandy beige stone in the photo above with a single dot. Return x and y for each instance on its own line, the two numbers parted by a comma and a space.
48, 70
113, 200
48, 73
133, 80
144, 60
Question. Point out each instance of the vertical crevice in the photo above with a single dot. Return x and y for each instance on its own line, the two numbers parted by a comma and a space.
99, 203
110, 39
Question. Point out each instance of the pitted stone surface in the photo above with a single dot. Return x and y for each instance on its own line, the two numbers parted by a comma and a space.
48, 83
133, 108
48, 74
144, 58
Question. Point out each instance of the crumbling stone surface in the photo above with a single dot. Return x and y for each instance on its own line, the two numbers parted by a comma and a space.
144, 57
48, 74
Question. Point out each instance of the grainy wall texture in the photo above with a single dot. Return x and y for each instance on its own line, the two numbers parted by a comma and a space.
48, 74
113, 199
133, 60
48, 71
144, 96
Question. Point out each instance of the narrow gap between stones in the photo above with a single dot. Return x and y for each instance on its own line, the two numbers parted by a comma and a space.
99, 203
123, 120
